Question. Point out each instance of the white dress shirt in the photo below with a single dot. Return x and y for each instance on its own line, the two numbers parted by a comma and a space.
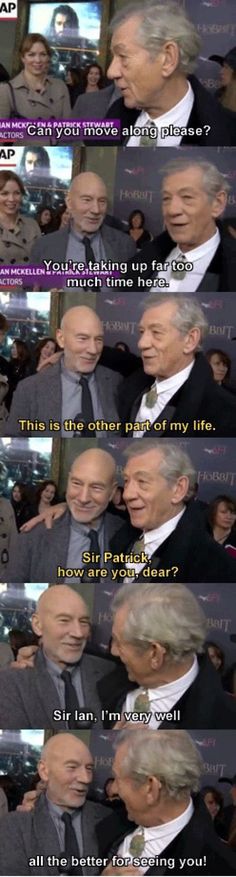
156, 838
200, 258
163, 698
177, 116
165, 390
152, 540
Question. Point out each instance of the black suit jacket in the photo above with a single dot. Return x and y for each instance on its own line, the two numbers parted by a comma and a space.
206, 111
190, 548
220, 274
196, 840
199, 398
204, 705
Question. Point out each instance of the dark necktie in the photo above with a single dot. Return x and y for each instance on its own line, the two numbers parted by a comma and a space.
87, 405
71, 700
94, 546
71, 845
89, 254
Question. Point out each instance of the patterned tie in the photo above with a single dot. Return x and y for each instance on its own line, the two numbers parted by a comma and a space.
89, 254
142, 702
145, 140
137, 843
151, 397
138, 546
179, 275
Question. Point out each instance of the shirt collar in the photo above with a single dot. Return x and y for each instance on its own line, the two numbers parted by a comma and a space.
56, 810
79, 235
174, 826
163, 531
174, 381
175, 687
55, 669
74, 377
174, 114
85, 528
203, 250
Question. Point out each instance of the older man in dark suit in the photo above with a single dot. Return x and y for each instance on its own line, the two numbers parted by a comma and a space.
75, 390
194, 196
87, 239
59, 690
155, 48
63, 824
56, 555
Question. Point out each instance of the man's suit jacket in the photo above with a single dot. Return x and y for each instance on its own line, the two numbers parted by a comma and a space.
220, 274
204, 705
28, 697
95, 105
39, 397
196, 840
206, 111
199, 398
35, 556
190, 549
117, 244
25, 835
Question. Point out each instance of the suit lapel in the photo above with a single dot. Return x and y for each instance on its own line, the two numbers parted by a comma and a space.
51, 400
90, 844
46, 690
88, 678
104, 382
46, 834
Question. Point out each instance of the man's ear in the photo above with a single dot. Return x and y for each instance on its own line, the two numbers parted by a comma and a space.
60, 338
43, 770
36, 624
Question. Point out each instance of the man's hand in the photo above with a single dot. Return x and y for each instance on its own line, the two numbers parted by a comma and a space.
47, 518
25, 657
111, 870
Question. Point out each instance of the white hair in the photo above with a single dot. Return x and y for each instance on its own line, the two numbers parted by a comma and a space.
188, 315
165, 614
213, 181
174, 462
159, 24
170, 756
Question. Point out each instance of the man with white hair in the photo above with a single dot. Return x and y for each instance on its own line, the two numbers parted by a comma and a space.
175, 391
87, 237
194, 249
155, 48
166, 529
156, 775
75, 390
159, 633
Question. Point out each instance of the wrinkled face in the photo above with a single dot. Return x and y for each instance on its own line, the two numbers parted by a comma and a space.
32, 161
188, 212
219, 367
48, 349
48, 493
138, 76
89, 490
226, 74
133, 795
93, 76
68, 774
10, 198
64, 628
87, 202
211, 804
36, 60
225, 516
147, 494
137, 663
164, 349
82, 340
214, 657
16, 493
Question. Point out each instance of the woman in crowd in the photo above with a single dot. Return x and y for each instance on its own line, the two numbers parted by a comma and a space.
46, 220
45, 496
226, 94
216, 655
73, 82
214, 802
19, 366
20, 504
220, 363
18, 233
42, 352
94, 78
221, 517
136, 228
33, 93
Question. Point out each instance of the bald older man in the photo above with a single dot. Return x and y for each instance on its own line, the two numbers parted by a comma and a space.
87, 237
60, 689
63, 823
75, 390
46, 555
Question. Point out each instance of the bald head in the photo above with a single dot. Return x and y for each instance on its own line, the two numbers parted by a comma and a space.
87, 202
66, 766
81, 338
91, 485
62, 621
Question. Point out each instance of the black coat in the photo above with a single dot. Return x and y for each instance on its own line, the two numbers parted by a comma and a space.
190, 548
199, 398
206, 111
204, 705
196, 840
220, 274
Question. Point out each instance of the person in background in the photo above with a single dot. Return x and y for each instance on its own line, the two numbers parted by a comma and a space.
20, 504
45, 496
213, 799
226, 94
18, 233
137, 229
73, 82
216, 655
46, 220
220, 363
33, 93
43, 351
221, 519
121, 345
94, 78
19, 365
3, 804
